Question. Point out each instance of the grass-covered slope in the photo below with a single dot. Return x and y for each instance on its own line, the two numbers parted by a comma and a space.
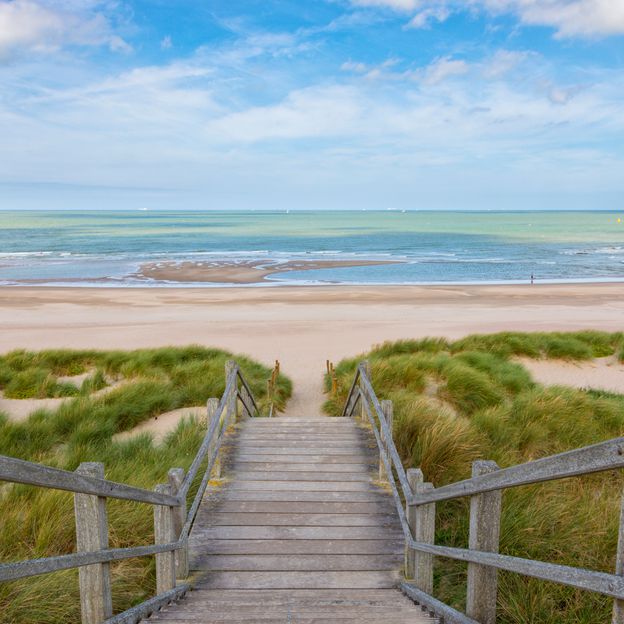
37, 522
455, 402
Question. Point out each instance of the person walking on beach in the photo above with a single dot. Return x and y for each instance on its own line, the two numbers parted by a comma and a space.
532, 278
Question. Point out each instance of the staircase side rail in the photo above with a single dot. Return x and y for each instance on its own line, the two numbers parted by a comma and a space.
248, 388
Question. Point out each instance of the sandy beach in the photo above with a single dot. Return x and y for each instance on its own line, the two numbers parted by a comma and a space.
300, 326
243, 272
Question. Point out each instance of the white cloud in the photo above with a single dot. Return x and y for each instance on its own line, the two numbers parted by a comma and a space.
443, 68
570, 18
423, 19
397, 5
44, 26
166, 43
504, 61
585, 18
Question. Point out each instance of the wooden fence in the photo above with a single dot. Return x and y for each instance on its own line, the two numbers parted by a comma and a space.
172, 519
416, 509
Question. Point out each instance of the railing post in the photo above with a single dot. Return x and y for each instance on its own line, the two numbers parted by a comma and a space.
176, 477
96, 603
421, 521
211, 409
618, 605
164, 521
485, 513
386, 408
363, 399
246, 401
232, 399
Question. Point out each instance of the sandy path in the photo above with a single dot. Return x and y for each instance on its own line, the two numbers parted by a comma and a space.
302, 327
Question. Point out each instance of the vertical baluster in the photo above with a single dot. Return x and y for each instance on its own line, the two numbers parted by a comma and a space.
618, 605
421, 520
176, 477
164, 533
386, 407
96, 603
211, 413
485, 513
363, 413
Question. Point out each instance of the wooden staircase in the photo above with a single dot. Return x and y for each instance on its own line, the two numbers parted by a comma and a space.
298, 533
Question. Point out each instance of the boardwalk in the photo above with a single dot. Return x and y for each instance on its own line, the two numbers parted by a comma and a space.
299, 533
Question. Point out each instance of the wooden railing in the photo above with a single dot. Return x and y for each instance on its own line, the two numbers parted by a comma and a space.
485, 491
172, 520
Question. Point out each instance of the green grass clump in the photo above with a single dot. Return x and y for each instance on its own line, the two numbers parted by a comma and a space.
455, 402
37, 522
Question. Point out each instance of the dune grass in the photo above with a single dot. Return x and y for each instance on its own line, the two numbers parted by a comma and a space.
455, 402
38, 522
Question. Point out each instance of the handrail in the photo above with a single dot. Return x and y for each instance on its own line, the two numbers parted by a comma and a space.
29, 473
21, 471
586, 460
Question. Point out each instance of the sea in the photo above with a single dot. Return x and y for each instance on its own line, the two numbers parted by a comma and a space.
106, 248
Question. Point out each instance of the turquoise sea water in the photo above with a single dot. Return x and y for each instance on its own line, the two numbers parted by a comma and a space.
105, 248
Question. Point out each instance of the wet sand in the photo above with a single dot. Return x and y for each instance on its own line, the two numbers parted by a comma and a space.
300, 326
244, 272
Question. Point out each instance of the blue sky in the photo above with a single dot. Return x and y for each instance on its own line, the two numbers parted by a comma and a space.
336, 104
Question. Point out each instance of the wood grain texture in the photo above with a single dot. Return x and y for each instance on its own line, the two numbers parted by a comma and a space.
298, 532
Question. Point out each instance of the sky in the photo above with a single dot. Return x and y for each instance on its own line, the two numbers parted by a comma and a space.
323, 104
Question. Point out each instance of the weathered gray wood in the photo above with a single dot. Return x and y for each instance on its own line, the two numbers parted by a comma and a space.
485, 513
134, 614
599, 582
96, 603
421, 520
587, 460
246, 403
311, 563
212, 411
232, 494
450, 615
298, 580
298, 532
45, 565
366, 368
29, 473
359, 459
218, 518
310, 507
301, 486
164, 533
296, 468
231, 369
618, 605
300, 475
388, 414
339, 454
176, 478
208, 547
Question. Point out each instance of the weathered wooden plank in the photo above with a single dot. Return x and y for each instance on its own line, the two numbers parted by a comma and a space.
298, 496
209, 547
247, 506
298, 580
355, 458
318, 476
298, 532
300, 486
164, 533
256, 467
304, 450
20, 471
301, 519
312, 563
330, 446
